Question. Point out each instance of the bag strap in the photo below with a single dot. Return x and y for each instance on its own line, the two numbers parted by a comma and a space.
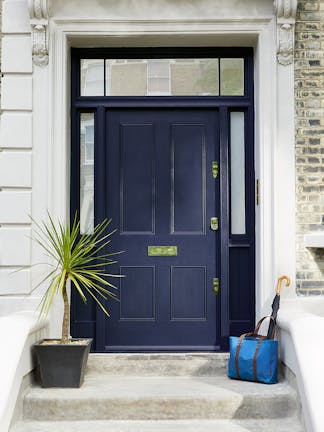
261, 339
237, 352
257, 327
238, 349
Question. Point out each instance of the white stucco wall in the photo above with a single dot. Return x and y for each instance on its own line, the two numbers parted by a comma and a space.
35, 133
16, 146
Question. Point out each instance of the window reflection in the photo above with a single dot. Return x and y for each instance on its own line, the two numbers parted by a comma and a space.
237, 173
86, 173
92, 77
232, 76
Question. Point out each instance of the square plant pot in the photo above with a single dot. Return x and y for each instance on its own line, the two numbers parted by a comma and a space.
62, 365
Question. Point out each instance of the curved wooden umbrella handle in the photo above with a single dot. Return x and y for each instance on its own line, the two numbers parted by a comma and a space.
280, 280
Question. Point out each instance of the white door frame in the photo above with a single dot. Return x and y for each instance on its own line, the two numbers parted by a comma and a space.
274, 121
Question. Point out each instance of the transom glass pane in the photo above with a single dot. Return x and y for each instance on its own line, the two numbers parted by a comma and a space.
237, 173
158, 68
92, 77
232, 76
86, 173
126, 78
197, 77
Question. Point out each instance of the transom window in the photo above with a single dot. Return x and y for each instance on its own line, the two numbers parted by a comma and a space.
162, 77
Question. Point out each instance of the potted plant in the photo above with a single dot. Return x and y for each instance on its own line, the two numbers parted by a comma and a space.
81, 259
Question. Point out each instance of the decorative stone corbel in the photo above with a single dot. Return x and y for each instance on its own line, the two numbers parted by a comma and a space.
286, 16
39, 13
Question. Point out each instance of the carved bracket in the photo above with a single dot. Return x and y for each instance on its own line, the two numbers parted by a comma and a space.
286, 16
39, 14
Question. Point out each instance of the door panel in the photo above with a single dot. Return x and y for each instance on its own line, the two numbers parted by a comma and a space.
188, 293
159, 192
137, 178
188, 178
138, 283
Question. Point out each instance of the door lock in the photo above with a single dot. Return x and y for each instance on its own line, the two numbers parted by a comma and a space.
216, 285
215, 169
214, 223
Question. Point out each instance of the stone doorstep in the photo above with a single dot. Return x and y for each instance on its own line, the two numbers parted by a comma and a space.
161, 398
157, 364
282, 425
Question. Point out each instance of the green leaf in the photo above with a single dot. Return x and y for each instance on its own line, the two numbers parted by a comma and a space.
82, 258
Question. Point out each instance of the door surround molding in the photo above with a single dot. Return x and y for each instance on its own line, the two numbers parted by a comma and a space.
274, 119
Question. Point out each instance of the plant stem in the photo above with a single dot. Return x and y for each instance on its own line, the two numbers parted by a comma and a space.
66, 316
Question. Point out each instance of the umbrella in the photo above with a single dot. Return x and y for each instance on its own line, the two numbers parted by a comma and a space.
276, 304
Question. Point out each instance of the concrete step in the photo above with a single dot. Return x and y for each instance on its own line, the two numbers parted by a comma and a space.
161, 398
169, 364
282, 425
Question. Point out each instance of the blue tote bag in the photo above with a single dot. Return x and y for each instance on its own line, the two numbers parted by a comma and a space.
254, 357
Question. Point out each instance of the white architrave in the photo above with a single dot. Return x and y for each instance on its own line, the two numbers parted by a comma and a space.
259, 33
286, 16
39, 15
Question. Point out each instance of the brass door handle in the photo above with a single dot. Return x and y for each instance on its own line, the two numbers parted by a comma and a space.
216, 286
214, 223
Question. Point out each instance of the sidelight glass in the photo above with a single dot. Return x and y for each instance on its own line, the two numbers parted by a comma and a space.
232, 76
237, 160
86, 173
92, 77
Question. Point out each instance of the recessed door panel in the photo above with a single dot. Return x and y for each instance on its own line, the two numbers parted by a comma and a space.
138, 283
137, 182
188, 293
188, 178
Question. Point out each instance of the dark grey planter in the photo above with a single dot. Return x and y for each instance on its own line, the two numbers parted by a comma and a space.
62, 365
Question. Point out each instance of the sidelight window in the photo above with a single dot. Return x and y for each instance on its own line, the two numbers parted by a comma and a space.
237, 169
86, 172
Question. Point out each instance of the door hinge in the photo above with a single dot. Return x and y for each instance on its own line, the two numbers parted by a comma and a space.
216, 285
257, 192
215, 169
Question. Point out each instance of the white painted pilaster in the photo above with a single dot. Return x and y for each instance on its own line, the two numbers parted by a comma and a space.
15, 206
15, 169
15, 242
15, 153
15, 52
16, 130
15, 18
284, 167
16, 92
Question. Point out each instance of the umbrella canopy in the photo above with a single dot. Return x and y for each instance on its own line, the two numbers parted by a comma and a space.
276, 304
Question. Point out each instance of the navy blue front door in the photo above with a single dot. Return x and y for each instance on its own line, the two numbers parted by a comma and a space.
160, 192
147, 163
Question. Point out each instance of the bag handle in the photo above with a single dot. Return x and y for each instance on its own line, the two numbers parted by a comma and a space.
257, 327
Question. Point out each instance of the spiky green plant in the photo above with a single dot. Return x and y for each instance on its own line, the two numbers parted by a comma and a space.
82, 259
